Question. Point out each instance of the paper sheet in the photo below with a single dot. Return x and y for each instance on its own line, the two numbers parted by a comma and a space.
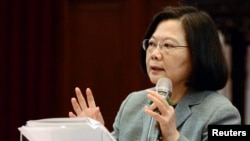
65, 129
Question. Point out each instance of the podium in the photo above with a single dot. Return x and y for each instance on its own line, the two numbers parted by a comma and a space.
65, 129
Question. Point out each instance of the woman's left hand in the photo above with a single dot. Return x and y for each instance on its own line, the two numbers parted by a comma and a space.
165, 115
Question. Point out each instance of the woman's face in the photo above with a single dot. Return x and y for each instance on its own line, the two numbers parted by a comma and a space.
171, 62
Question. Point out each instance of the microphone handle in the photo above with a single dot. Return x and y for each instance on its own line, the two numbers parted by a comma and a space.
154, 131
154, 128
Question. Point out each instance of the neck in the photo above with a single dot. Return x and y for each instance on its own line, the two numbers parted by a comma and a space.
178, 94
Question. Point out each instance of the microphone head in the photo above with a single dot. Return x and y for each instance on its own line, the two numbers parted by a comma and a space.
164, 86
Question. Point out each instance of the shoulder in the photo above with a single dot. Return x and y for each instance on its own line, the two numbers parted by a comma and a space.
217, 107
216, 99
135, 98
221, 104
212, 98
132, 105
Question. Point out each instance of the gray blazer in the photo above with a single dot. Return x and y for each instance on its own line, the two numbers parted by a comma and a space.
193, 113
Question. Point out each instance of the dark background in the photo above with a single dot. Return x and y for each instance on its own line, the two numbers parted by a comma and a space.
48, 47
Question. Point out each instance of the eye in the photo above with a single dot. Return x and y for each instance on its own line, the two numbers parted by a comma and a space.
152, 44
168, 45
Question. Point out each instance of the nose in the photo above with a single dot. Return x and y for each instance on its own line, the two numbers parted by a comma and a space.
156, 53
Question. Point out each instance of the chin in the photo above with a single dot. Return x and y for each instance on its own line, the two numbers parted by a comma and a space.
154, 79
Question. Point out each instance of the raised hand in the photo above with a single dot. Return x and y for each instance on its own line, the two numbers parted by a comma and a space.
83, 108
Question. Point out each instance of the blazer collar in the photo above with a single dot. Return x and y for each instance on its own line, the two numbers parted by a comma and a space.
182, 109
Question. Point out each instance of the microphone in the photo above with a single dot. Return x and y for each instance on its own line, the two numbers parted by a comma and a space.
164, 88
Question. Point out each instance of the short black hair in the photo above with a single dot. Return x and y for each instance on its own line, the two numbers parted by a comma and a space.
210, 70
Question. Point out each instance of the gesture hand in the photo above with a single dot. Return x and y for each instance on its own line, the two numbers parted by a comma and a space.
83, 109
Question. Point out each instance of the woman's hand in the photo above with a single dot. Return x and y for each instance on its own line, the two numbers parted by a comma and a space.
165, 116
83, 109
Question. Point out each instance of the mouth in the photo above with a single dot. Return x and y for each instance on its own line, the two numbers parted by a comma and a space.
156, 68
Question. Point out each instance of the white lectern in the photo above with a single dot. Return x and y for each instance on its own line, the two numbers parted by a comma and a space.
65, 129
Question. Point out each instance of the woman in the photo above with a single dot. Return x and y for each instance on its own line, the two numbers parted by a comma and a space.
181, 44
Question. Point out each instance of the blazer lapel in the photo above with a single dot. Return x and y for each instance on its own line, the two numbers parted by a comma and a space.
182, 110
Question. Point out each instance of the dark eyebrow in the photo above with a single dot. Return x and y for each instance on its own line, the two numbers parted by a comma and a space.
166, 39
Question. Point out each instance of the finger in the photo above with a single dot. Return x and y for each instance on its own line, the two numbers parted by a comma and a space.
151, 113
159, 104
80, 99
154, 100
96, 112
162, 99
99, 115
90, 98
166, 110
152, 105
155, 94
72, 115
76, 106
